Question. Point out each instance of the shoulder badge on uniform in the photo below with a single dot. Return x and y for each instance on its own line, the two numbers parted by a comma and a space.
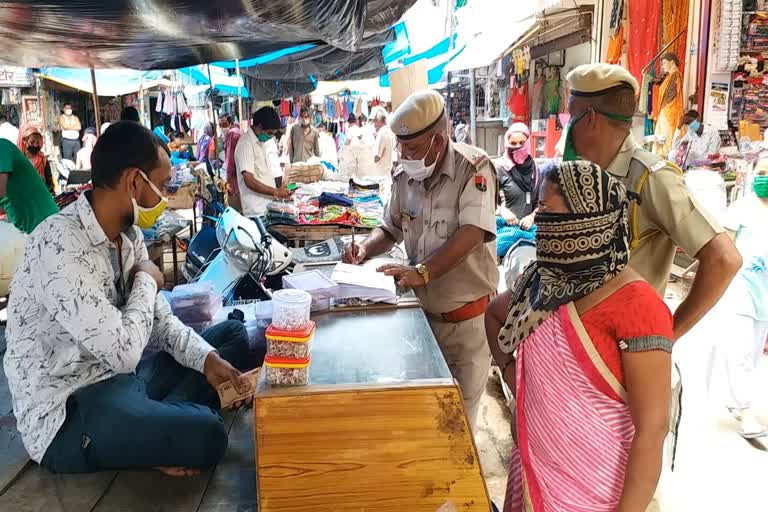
481, 183
476, 156
658, 166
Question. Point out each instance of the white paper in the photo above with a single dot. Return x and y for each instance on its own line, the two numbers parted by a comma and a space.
363, 282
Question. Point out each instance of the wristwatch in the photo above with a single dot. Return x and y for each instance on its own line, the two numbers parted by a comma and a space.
423, 272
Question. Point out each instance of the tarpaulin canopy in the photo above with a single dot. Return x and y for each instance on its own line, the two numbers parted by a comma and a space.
177, 33
109, 82
489, 45
299, 71
222, 81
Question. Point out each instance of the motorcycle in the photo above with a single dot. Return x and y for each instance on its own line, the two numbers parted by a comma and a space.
235, 253
248, 262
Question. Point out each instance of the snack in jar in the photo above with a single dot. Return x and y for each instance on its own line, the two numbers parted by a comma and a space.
287, 372
290, 309
290, 344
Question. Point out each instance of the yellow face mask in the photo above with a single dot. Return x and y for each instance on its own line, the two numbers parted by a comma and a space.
143, 217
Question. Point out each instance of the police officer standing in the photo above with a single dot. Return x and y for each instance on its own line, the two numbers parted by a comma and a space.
443, 208
601, 104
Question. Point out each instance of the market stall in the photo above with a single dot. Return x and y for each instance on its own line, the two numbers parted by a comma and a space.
326, 209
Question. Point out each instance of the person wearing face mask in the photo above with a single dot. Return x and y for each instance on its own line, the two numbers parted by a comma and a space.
31, 144
303, 140
87, 291
737, 326
443, 207
23, 194
518, 179
601, 104
257, 164
694, 141
70, 133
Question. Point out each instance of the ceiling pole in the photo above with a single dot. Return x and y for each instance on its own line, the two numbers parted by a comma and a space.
95, 94
215, 121
239, 95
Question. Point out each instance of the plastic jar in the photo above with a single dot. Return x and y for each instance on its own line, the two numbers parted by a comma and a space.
287, 372
290, 344
290, 309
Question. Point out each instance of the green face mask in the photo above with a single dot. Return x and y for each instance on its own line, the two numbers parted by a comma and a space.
760, 186
569, 153
263, 137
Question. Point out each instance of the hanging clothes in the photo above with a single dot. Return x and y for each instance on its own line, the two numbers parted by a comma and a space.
643, 40
616, 38
285, 109
674, 16
643, 103
518, 104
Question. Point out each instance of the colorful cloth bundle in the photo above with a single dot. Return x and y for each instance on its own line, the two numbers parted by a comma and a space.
507, 235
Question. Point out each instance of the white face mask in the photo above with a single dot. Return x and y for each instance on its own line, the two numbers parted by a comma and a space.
418, 169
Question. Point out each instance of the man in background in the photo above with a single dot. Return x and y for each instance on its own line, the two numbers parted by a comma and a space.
384, 146
303, 140
694, 141
130, 114
70, 133
328, 151
231, 131
257, 164
7, 130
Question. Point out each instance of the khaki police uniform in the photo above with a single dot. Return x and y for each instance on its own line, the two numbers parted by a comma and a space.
667, 215
424, 215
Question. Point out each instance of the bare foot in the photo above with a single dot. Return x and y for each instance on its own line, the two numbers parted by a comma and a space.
178, 471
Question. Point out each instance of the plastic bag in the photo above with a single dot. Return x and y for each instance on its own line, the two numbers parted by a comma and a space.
11, 251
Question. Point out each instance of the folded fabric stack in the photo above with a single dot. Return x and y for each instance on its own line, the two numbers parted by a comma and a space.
329, 199
282, 213
363, 188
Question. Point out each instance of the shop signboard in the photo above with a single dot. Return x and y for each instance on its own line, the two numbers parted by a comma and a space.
16, 76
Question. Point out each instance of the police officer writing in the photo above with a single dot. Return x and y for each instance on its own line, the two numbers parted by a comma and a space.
443, 208
601, 104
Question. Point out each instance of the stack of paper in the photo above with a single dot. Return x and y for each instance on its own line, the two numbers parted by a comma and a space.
363, 282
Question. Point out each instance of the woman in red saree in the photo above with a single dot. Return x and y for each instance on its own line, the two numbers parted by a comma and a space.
585, 342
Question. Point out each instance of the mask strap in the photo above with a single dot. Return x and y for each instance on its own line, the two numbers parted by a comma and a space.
154, 188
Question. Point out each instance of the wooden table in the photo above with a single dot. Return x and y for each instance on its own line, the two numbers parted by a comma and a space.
380, 427
300, 234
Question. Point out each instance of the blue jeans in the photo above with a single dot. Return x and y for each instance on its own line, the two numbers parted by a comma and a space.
163, 415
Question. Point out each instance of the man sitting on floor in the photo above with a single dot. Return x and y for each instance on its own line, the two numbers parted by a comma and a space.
84, 304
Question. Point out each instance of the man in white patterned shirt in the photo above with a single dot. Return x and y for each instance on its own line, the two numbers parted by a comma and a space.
84, 305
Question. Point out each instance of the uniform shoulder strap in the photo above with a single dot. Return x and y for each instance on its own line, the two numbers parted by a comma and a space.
476, 156
641, 166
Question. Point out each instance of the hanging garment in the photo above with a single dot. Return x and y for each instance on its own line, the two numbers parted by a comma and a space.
552, 97
643, 103
159, 104
366, 112
285, 109
670, 109
295, 110
643, 39
615, 47
168, 104
518, 104
674, 17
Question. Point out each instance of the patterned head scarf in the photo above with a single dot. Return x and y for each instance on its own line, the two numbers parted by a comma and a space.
576, 253
39, 160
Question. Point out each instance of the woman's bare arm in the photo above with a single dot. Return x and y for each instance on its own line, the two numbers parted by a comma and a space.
647, 376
